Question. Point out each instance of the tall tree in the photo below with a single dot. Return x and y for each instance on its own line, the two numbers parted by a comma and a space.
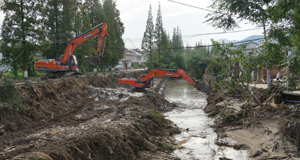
228, 13
21, 32
159, 29
147, 42
88, 48
58, 26
177, 43
95, 11
285, 29
165, 54
114, 44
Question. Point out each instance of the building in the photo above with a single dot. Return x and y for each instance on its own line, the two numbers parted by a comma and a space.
131, 58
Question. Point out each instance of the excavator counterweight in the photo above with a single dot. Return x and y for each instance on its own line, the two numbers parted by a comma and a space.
145, 80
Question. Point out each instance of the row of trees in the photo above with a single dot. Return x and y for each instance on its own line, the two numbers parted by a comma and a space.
163, 51
45, 27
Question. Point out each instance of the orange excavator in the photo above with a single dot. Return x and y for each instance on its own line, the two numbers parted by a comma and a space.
67, 64
145, 80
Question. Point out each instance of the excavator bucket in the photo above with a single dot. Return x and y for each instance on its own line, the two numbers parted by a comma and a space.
93, 61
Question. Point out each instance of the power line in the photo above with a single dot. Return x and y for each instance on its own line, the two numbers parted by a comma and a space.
241, 42
191, 6
204, 34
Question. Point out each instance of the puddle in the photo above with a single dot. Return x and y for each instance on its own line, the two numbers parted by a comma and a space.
197, 137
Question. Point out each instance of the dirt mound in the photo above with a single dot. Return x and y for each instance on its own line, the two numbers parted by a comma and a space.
267, 127
211, 109
105, 129
55, 98
75, 119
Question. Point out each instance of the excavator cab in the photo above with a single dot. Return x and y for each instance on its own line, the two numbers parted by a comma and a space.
141, 76
73, 65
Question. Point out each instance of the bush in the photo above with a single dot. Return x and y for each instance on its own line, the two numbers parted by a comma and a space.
9, 95
136, 66
166, 147
7, 91
155, 116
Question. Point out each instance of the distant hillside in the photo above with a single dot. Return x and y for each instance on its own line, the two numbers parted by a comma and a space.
253, 37
226, 40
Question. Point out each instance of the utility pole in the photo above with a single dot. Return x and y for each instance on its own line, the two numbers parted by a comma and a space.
268, 70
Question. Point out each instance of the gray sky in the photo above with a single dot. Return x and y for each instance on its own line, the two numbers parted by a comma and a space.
134, 14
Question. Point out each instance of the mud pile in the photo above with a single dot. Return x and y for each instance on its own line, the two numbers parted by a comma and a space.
87, 118
54, 98
266, 131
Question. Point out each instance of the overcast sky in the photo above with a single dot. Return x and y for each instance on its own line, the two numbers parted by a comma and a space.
134, 14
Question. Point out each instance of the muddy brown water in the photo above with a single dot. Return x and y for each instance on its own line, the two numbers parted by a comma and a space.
197, 137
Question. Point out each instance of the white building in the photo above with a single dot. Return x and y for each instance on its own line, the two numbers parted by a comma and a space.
131, 57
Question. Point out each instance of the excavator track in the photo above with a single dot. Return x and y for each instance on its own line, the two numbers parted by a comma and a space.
55, 75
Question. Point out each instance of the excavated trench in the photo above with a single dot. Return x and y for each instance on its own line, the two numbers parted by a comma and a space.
87, 118
197, 137
93, 118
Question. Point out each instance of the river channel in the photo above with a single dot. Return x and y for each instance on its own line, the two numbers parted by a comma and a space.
197, 137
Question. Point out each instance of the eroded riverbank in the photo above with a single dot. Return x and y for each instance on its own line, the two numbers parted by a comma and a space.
269, 131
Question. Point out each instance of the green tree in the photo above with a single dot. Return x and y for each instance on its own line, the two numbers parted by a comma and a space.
196, 66
159, 31
166, 59
228, 13
114, 43
59, 15
95, 12
147, 42
285, 18
21, 32
88, 48
177, 43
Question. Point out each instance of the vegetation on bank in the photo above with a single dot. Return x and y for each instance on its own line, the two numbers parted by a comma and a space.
9, 96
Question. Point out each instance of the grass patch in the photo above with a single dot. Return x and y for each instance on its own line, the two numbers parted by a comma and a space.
155, 116
169, 148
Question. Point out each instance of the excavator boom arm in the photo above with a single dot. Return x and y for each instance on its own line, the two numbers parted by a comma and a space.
101, 32
169, 73
145, 80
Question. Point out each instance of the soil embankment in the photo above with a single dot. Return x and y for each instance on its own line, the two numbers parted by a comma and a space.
268, 132
87, 118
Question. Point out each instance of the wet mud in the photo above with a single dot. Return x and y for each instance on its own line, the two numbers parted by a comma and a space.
88, 118
267, 132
